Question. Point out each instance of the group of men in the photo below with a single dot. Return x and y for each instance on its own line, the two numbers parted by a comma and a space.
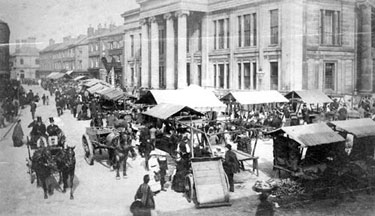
39, 130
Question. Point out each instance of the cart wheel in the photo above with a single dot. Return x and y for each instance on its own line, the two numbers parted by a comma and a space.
89, 150
189, 188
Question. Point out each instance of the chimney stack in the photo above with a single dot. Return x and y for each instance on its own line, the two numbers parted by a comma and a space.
112, 27
18, 45
31, 42
51, 41
67, 39
90, 31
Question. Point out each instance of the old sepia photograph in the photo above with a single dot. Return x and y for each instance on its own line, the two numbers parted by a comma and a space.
187, 107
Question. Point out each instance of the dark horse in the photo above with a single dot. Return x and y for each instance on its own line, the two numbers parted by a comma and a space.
122, 147
44, 166
66, 162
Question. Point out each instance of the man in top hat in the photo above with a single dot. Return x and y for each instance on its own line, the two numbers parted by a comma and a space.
38, 131
231, 165
53, 131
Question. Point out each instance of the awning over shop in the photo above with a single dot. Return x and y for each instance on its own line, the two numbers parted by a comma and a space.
358, 127
55, 75
255, 97
309, 96
79, 78
97, 87
194, 96
91, 82
311, 134
164, 111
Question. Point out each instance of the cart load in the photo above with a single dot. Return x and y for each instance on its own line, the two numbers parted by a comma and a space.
207, 185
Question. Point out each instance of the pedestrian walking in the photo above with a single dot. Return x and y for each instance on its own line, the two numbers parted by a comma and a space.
17, 134
163, 166
146, 197
33, 109
44, 99
47, 100
231, 165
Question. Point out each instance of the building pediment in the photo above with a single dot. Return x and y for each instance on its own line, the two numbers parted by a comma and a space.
156, 7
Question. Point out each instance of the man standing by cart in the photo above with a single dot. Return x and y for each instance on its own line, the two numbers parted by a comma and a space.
231, 166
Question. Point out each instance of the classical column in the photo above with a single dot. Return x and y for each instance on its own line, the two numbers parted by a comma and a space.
206, 40
365, 49
170, 52
145, 54
181, 61
154, 34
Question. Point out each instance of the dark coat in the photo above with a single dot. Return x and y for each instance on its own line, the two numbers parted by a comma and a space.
17, 135
231, 163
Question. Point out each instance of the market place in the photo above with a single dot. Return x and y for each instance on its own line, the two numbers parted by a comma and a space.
193, 144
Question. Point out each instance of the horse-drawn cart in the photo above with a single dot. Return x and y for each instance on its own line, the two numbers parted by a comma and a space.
94, 139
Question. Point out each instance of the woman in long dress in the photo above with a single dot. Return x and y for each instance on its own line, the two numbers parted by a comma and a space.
17, 134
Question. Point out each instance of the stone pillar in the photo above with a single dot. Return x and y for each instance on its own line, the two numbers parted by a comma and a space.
145, 54
181, 44
170, 52
206, 40
154, 33
365, 49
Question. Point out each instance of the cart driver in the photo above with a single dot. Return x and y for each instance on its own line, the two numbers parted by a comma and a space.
39, 130
53, 132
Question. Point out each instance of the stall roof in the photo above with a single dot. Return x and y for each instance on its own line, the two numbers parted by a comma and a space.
309, 96
91, 82
97, 87
79, 78
194, 96
358, 127
55, 75
164, 111
256, 97
113, 95
312, 134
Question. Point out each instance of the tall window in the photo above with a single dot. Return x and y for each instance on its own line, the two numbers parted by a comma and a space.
132, 46
254, 75
161, 77
246, 70
221, 34
274, 26
215, 34
373, 27
254, 33
140, 44
140, 76
330, 27
162, 42
21, 61
221, 75
247, 29
188, 74
239, 76
228, 34
37, 61
200, 36
215, 75
274, 75
239, 31
200, 75
228, 77
329, 76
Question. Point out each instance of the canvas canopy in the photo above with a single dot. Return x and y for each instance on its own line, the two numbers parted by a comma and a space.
309, 96
194, 97
358, 127
311, 134
164, 111
79, 78
91, 82
55, 75
255, 97
97, 87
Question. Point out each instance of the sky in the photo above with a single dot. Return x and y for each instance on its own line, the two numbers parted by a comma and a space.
45, 19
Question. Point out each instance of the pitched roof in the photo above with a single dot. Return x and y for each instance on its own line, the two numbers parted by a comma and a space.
164, 111
255, 97
310, 96
358, 127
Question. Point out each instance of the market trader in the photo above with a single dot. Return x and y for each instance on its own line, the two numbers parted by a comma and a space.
231, 166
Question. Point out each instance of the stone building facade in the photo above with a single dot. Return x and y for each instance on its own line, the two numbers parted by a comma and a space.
70, 55
25, 60
107, 43
250, 44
